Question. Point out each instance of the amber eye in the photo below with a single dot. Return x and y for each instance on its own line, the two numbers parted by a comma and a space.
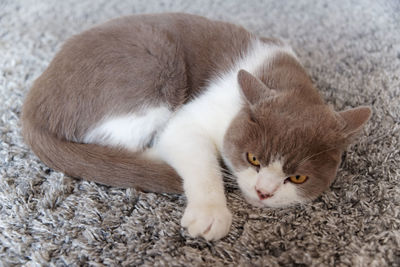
298, 179
253, 160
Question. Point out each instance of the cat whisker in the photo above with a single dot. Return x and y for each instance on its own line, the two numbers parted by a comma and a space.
314, 155
231, 178
228, 175
225, 169
227, 172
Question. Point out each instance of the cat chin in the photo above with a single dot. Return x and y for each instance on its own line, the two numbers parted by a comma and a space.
263, 204
254, 202
268, 203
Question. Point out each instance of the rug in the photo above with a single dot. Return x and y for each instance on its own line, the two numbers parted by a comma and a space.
351, 49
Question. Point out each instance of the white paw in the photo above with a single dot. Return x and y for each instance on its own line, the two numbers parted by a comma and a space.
209, 221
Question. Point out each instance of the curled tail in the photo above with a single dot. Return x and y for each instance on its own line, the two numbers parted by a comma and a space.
104, 165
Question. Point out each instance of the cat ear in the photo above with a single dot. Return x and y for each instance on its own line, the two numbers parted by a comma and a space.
253, 89
355, 119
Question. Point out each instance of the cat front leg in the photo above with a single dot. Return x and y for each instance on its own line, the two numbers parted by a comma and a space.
194, 157
206, 213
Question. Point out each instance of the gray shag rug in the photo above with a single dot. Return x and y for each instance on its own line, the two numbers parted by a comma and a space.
351, 50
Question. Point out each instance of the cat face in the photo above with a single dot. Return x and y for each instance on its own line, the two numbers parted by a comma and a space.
282, 150
279, 160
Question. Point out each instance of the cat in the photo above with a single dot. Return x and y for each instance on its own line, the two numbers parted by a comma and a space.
155, 102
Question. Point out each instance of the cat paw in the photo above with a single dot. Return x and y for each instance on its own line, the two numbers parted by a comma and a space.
211, 222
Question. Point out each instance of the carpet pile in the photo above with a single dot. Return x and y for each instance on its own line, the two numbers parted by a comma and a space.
351, 49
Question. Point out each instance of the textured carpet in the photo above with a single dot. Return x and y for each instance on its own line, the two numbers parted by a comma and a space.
352, 52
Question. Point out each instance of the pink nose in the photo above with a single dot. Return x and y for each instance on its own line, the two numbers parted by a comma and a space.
263, 195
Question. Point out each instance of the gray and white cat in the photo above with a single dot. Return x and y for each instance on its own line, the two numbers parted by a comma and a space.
155, 101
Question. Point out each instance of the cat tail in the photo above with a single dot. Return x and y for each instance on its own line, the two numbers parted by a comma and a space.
104, 165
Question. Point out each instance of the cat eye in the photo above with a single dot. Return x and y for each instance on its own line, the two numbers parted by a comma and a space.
253, 160
298, 179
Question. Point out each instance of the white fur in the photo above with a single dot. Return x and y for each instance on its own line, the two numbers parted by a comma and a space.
132, 131
270, 180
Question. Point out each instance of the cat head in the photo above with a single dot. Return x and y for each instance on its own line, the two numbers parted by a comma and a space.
283, 148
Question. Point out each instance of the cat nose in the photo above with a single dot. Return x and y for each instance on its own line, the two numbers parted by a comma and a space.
263, 194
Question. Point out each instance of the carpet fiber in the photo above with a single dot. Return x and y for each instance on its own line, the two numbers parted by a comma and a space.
351, 50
